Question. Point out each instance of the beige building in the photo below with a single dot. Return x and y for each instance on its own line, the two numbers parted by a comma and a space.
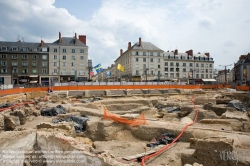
143, 61
188, 67
68, 59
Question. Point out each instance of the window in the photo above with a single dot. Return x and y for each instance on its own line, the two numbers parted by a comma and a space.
34, 71
64, 57
210, 71
73, 57
72, 71
64, 64
55, 64
159, 66
73, 50
184, 65
210, 65
151, 60
159, 60
33, 56
184, 69
210, 59
3, 63
210, 75
64, 50
197, 64
144, 66
25, 49
81, 50
177, 64
172, 75
171, 63
54, 71
197, 75
166, 63
137, 59
55, 49
33, 63
171, 69
15, 71
44, 64
151, 54
55, 56
183, 57
176, 57
35, 49
137, 72
202, 65
166, 69
151, 66
136, 65
144, 59
72, 63
44, 71
177, 69
44, 49
44, 57
81, 57
25, 57
152, 72
81, 72
190, 64
63, 71
202, 70
206, 75
144, 53
82, 64
3, 71
14, 56
4, 56
166, 74
136, 53
158, 54
202, 75
14, 63
24, 71
25, 63
206, 65
14, 48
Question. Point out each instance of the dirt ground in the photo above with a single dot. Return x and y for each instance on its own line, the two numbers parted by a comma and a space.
120, 140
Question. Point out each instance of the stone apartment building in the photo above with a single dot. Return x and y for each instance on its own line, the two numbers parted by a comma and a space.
242, 70
26, 62
23, 62
146, 62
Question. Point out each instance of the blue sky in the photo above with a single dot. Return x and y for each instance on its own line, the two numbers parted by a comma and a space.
220, 27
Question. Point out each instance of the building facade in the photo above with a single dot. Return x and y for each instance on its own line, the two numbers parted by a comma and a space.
44, 63
23, 62
146, 62
242, 70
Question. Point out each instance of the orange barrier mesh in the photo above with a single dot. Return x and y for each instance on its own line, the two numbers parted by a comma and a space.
135, 122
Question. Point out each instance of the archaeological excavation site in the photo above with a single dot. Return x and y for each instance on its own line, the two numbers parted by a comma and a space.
126, 128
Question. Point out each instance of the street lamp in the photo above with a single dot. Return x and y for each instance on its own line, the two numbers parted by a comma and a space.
225, 71
90, 67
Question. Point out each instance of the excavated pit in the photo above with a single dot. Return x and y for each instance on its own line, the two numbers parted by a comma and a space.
107, 142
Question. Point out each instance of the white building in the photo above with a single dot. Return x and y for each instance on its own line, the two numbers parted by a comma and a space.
68, 59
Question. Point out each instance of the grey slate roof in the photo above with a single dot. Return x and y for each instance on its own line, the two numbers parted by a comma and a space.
145, 46
69, 41
21, 45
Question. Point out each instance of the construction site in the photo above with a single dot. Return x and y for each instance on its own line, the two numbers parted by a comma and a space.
153, 127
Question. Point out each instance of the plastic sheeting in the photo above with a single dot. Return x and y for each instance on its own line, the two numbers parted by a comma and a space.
53, 111
164, 139
79, 122
236, 104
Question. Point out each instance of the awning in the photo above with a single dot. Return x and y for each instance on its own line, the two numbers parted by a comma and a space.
33, 81
208, 80
33, 76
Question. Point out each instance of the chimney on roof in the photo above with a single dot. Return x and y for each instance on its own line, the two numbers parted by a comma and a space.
129, 45
242, 57
75, 39
176, 52
190, 52
207, 54
82, 38
60, 38
42, 43
139, 42
121, 52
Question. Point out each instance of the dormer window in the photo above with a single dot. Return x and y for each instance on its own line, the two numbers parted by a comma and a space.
14, 48
44, 49
35, 49
4, 48
25, 49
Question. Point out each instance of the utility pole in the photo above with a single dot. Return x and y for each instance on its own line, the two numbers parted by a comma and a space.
225, 71
90, 67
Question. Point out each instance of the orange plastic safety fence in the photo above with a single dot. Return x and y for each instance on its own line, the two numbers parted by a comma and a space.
135, 122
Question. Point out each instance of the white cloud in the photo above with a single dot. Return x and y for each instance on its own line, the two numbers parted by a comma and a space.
219, 27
